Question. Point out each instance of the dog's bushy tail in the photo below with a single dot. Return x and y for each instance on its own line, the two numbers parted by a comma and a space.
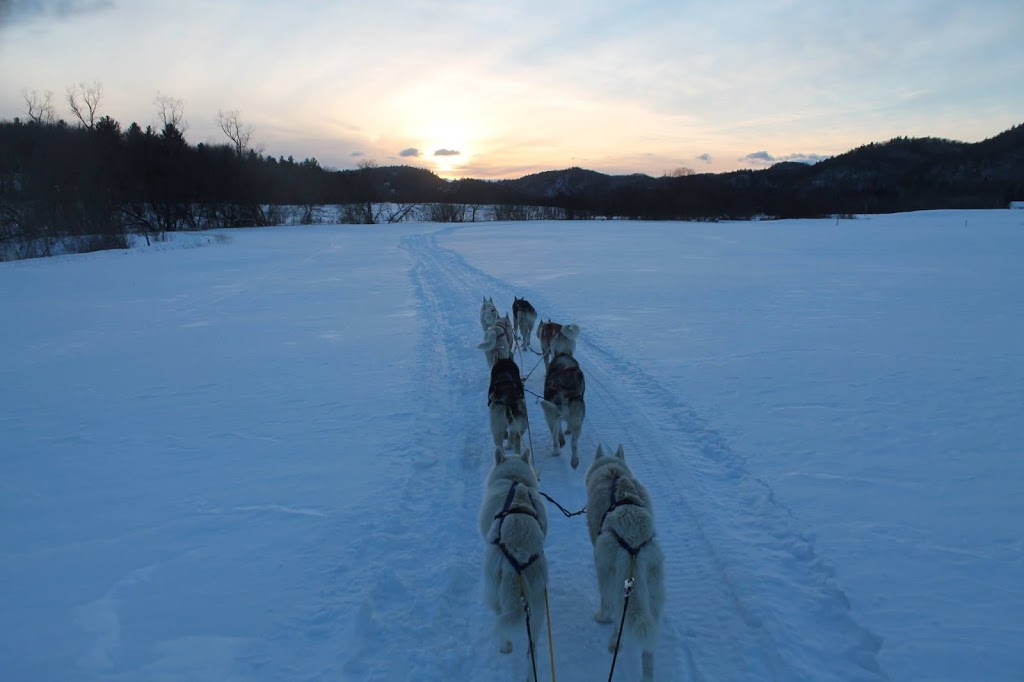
570, 331
490, 341
513, 616
643, 616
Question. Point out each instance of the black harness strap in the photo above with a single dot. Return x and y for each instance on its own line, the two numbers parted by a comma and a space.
507, 510
615, 504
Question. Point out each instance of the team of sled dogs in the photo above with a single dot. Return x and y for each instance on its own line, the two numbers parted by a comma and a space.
513, 519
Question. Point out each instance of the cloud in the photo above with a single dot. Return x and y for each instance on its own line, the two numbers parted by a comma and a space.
706, 158
809, 159
411, 151
14, 11
765, 159
356, 155
446, 152
759, 159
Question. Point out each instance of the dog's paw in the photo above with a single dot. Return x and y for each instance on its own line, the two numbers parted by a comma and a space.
575, 461
561, 440
506, 648
602, 616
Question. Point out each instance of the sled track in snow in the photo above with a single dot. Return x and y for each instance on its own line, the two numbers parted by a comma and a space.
734, 556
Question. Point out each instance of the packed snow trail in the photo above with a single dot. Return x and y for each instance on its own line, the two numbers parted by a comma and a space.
734, 557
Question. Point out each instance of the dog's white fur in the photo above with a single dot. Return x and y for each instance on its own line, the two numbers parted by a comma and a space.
488, 314
523, 536
508, 426
497, 341
632, 520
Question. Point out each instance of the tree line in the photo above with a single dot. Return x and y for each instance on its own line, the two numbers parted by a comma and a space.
96, 183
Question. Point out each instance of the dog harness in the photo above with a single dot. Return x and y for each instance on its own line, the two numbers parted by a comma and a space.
506, 511
564, 378
505, 382
633, 551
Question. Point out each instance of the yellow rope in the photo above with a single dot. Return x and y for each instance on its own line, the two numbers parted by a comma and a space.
551, 644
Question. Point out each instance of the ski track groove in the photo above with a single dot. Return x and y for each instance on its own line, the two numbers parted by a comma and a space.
708, 509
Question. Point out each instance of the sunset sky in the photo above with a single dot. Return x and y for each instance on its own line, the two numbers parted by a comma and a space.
470, 88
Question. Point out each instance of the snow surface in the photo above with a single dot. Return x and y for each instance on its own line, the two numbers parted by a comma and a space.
263, 459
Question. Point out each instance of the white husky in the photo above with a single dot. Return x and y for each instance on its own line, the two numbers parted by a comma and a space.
621, 524
498, 340
488, 314
514, 524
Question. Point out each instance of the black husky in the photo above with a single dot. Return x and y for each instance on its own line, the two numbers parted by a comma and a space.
564, 387
507, 404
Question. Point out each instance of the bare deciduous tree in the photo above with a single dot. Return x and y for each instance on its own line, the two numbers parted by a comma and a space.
84, 101
171, 112
40, 109
239, 133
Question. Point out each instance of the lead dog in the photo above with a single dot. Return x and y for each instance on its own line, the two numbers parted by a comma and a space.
621, 525
488, 314
524, 316
557, 338
497, 341
514, 524
506, 404
564, 387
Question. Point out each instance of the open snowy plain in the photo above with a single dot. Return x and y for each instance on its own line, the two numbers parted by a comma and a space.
262, 459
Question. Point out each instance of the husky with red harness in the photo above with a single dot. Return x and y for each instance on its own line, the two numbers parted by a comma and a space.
564, 386
506, 403
628, 560
557, 338
514, 524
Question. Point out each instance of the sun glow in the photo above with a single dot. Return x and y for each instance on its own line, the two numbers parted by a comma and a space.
449, 145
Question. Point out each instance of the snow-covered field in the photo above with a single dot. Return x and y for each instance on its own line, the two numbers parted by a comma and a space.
262, 459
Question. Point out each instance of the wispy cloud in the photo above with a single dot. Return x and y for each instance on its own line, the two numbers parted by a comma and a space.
14, 11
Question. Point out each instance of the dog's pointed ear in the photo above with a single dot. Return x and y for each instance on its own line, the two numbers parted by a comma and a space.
620, 453
600, 452
526, 455
499, 456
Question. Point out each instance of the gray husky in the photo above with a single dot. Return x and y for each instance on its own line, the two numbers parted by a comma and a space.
506, 403
514, 524
498, 340
564, 387
524, 316
621, 524
557, 338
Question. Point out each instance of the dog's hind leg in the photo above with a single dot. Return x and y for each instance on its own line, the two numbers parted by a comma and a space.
577, 410
499, 424
647, 661
554, 422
